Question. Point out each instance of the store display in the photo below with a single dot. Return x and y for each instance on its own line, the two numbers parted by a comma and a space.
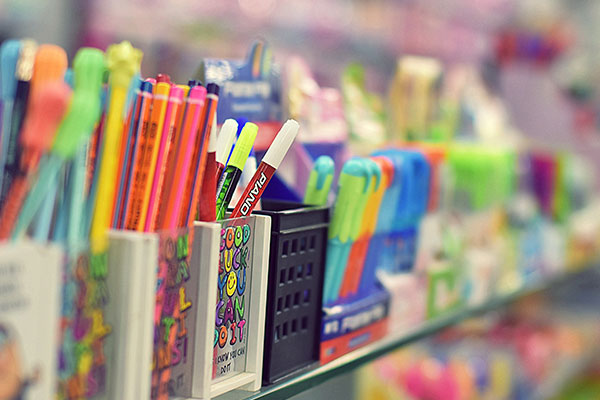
257, 226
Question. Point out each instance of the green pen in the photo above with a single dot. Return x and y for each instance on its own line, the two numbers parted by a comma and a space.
230, 177
319, 181
74, 130
354, 183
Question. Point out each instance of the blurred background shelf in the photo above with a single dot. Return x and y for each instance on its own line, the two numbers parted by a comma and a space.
365, 355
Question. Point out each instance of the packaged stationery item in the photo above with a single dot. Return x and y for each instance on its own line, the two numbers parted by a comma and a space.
364, 111
414, 96
250, 88
30, 277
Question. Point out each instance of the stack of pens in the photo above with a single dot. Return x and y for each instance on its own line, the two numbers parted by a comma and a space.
79, 157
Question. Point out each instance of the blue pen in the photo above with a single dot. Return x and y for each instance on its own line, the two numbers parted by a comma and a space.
412, 207
9, 56
130, 145
23, 74
136, 134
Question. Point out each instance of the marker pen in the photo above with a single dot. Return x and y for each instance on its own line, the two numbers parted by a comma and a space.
231, 176
269, 164
224, 145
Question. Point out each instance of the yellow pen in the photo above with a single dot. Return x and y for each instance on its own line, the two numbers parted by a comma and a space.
123, 61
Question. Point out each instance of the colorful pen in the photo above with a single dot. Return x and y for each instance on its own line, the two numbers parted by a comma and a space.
140, 129
75, 128
225, 141
358, 253
207, 205
129, 143
170, 207
175, 101
353, 185
23, 73
9, 56
46, 109
148, 161
232, 173
265, 171
319, 181
123, 62
189, 209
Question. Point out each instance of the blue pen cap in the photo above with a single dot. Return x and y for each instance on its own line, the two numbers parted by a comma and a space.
324, 166
391, 197
9, 56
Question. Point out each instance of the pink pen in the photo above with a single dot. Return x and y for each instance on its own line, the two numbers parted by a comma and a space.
170, 207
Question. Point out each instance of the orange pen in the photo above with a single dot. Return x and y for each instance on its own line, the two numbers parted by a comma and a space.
173, 106
171, 204
358, 252
196, 175
148, 162
133, 196
171, 162
46, 109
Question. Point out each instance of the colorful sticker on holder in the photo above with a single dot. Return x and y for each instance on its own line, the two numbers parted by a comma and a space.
82, 364
233, 298
172, 309
29, 310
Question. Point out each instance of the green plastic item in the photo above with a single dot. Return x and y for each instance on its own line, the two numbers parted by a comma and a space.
373, 184
244, 144
483, 176
353, 185
84, 111
319, 181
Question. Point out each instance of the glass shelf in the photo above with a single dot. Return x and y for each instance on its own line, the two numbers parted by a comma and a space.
364, 355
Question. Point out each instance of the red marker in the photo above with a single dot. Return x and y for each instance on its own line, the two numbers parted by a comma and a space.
269, 164
208, 192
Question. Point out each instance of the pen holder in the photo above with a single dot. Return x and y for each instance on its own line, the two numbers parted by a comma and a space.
227, 290
30, 278
131, 278
296, 271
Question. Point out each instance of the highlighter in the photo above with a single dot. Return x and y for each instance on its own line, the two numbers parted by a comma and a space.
354, 182
319, 181
356, 260
232, 173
